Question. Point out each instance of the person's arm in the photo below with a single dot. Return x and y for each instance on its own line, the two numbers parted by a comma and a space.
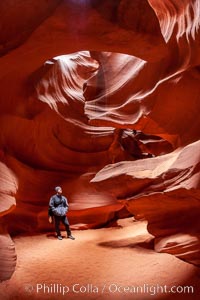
50, 213
51, 206
66, 204
50, 210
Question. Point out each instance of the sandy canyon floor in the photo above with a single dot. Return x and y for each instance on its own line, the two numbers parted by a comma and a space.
109, 263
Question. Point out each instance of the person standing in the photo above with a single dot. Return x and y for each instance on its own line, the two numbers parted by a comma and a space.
58, 207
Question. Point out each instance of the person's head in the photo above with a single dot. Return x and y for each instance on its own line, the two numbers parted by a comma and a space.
58, 190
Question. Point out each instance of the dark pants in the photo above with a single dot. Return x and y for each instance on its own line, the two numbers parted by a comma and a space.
65, 221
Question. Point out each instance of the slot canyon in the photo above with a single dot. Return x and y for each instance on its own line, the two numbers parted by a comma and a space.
101, 98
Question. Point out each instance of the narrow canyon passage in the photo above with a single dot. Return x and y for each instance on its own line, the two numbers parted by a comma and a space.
101, 98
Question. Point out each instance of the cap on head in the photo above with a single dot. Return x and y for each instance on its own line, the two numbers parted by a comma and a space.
57, 188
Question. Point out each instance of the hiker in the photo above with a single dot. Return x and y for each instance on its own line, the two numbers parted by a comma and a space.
58, 207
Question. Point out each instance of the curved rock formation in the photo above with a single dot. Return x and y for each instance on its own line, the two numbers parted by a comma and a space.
7, 254
15, 29
91, 89
163, 190
8, 189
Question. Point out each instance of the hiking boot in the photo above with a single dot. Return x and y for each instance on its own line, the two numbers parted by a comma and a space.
71, 237
59, 237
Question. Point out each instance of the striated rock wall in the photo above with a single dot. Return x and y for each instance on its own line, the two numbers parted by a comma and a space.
76, 79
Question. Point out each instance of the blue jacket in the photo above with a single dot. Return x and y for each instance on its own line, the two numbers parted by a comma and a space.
58, 205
